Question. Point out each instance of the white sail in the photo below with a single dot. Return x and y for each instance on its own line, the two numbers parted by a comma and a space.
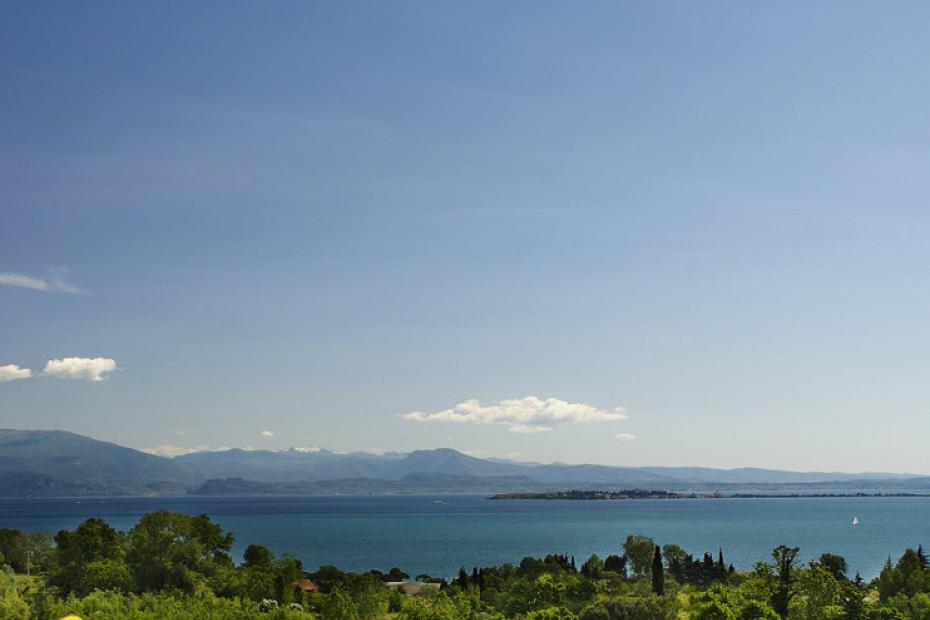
855, 520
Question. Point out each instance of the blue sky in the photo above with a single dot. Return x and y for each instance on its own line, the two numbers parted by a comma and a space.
312, 219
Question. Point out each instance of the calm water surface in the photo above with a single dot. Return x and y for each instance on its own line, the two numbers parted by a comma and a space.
420, 535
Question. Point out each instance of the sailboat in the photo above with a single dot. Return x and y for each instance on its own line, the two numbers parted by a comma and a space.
855, 520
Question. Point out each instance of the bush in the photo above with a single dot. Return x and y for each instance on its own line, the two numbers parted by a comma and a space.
163, 606
12, 605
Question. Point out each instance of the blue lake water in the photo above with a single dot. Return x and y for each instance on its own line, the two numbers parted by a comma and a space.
419, 535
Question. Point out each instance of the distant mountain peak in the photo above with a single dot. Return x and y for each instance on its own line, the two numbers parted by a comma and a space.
58, 462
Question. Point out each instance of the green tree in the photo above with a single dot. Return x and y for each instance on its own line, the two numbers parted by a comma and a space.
442, 607
26, 553
174, 551
922, 557
90, 558
287, 571
94, 539
676, 559
395, 574
907, 576
597, 611
103, 575
816, 595
852, 600
836, 564
785, 558
640, 608
638, 551
616, 564
369, 594
756, 610
12, 604
658, 573
339, 606
258, 556
549, 589
593, 567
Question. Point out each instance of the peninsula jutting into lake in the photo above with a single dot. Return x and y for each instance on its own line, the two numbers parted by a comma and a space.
647, 494
625, 494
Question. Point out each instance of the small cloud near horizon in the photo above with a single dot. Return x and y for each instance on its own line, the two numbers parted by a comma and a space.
528, 415
83, 368
624, 436
525, 429
54, 284
170, 452
12, 372
478, 454
267, 434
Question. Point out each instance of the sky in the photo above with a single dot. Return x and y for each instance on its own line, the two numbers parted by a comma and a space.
631, 233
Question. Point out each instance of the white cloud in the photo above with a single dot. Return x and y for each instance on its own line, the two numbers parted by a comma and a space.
306, 449
12, 372
88, 369
624, 436
170, 451
522, 415
526, 429
267, 434
54, 284
173, 451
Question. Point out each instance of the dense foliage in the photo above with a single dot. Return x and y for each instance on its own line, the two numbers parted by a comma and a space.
173, 565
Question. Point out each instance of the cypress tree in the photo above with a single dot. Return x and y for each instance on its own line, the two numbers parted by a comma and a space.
720, 563
708, 562
658, 575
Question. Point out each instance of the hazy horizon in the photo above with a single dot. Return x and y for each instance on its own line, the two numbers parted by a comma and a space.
171, 452
638, 235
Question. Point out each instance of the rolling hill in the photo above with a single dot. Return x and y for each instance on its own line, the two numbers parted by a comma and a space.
75, 458
59, 463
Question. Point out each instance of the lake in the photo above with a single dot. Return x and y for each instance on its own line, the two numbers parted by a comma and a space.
420, 535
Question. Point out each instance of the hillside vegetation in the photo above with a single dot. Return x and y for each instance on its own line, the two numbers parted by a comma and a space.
178, 566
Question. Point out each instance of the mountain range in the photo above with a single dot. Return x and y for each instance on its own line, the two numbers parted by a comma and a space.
58, 463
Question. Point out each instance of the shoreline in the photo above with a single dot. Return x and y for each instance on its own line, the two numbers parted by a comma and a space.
624, 496
551, 496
